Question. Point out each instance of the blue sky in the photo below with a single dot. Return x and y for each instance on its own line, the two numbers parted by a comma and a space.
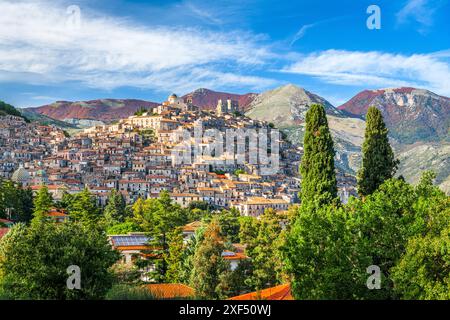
147, 49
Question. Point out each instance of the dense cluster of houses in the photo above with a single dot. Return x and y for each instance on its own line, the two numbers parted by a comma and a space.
139, 157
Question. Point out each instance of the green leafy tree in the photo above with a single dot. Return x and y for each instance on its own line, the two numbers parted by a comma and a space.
17, 201
378, 162
34, 261
188, 255
198, 210
233, 283
84, 208
124, 228
66, 201
43, 202
229, 225
423, 271
317, 164
25, 214
174, 257
209, 267
248, 230
158, 217
319, 255
115, 210
264, 252
329, 248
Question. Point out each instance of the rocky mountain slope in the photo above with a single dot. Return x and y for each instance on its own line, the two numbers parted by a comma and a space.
407, 112
286, 106
45, 120
410, 114
105, 110
207, 99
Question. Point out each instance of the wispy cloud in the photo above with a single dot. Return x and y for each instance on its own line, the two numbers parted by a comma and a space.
301, 32
202, 13
36, 45
420, 12
303, 29
375, 68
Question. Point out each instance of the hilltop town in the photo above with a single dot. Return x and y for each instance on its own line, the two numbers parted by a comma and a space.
136, 157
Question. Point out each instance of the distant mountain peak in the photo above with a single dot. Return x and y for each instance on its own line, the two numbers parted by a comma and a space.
411, 114
286, 105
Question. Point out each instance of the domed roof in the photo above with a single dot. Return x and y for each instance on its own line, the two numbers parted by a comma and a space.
20, 175
173, 95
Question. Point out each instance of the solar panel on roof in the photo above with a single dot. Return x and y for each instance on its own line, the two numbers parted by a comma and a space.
135, 240
228, 254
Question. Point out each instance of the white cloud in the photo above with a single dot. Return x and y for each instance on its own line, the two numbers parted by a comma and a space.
37, 44
376, 69
421, 11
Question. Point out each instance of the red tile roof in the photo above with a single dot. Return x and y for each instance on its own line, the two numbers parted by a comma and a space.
170, 290
281, 292
3, 231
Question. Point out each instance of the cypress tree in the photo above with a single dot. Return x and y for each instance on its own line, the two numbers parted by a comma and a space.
317, 165
43, 202
378, 162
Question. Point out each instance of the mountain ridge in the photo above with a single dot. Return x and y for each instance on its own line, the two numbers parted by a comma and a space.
106, 110
411, 114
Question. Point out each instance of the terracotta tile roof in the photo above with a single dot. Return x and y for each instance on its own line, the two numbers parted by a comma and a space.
281, 292
170, 290
125, 248
191, 227
3, 231
56, 213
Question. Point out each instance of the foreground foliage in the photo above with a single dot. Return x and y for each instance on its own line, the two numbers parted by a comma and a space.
34, 260
401, 229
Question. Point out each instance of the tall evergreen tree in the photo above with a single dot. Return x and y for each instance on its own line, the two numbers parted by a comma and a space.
84, 207
378, 162
115, 210
43, 202
26, 199
174, 256
317, 165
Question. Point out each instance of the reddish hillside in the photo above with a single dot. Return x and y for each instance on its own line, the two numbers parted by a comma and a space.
108, 110
207, 99
105, 109
410, 114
